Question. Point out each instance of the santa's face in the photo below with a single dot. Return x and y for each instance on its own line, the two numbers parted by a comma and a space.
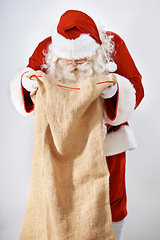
73, 70
76, 70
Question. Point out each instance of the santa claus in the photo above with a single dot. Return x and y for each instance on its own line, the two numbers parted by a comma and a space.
77, 50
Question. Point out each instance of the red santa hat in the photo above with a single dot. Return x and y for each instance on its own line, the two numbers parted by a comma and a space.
76, 37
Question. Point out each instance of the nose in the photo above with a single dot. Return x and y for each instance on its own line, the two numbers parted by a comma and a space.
74, 63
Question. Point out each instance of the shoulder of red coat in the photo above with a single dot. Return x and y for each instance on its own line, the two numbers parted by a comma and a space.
116, 37
47, 41
118, 41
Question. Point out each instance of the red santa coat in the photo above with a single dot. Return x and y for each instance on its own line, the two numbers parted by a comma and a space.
118, 110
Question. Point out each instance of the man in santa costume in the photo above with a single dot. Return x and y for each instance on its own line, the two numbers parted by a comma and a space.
77, 50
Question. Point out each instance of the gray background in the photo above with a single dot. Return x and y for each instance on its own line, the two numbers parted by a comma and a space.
23, 25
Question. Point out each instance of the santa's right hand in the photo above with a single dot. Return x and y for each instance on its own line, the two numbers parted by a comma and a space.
29, 84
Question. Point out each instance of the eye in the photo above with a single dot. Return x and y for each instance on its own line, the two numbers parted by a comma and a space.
80, 61
68, 61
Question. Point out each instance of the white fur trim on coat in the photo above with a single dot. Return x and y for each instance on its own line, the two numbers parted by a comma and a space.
16, 94
119, 141
126, 101
81, 47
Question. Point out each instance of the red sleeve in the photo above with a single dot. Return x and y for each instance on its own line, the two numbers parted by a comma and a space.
35, 62
126, 68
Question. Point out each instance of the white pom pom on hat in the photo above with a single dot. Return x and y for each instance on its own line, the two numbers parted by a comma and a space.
111, 66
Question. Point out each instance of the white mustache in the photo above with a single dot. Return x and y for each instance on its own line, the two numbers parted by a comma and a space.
77, 73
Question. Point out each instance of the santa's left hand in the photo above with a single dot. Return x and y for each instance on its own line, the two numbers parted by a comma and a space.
109, 92
29, 84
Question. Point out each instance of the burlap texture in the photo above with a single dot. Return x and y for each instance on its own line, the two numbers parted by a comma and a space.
69, 189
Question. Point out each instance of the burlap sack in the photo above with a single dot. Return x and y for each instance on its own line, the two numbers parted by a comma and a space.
69, 188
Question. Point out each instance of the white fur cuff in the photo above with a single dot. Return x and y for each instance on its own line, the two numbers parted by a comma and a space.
16, 94
126, 102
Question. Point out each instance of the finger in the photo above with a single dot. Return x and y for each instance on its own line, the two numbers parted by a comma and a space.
113, 78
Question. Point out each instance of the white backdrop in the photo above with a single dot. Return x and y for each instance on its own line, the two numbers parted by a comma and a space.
23, 25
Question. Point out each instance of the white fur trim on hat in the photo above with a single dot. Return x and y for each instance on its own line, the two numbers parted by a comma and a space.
119, 141
16, 94
111, 66
81, 47
126, 102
